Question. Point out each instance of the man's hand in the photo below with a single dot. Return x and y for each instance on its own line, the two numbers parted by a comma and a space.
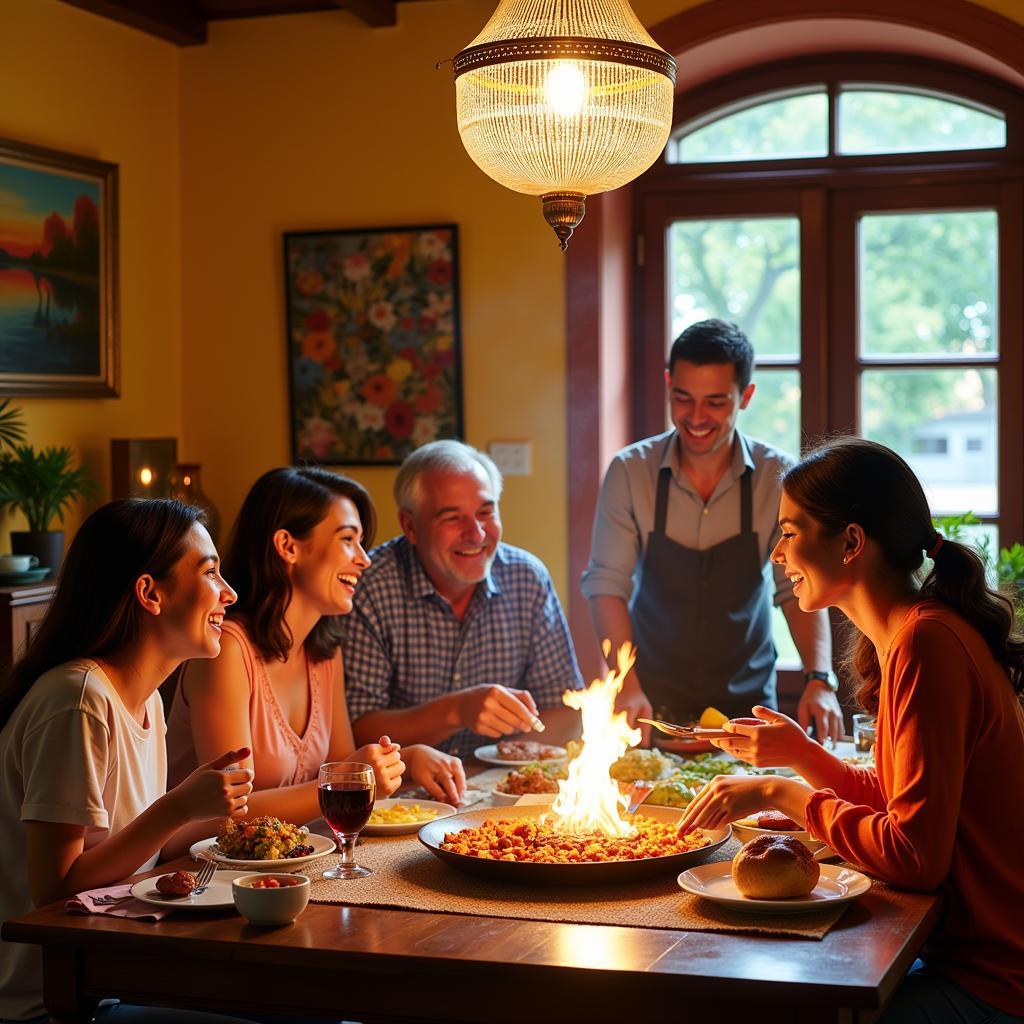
634, 702
819, 704
496, 711
440, 774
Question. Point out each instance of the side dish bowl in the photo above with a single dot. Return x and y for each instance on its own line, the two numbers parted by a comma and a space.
275, 905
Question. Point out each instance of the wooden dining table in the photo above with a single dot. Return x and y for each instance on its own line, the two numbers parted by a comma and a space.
383, 965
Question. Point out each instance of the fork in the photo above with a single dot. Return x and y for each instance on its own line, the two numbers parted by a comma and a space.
204, 877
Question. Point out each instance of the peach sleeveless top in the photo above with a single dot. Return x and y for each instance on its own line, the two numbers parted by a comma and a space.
281, 756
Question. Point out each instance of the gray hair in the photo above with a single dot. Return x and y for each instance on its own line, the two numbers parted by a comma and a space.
441, 456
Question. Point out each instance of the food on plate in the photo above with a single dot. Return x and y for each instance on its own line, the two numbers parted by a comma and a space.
859, 760
672, 793
531, 841
643, 764
775, 867
712, 718
533, 778
178, 884
401, 814
275, 883
528, 750
777, 821
263, 838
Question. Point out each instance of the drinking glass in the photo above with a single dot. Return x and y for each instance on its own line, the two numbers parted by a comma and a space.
346, 790
864, 733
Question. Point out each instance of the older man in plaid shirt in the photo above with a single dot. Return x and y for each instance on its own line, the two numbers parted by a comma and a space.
455, 638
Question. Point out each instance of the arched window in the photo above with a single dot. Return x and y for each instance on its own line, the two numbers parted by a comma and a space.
861, 219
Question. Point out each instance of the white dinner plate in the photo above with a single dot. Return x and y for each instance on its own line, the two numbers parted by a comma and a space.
835, 885
443, 811
209, 848
217, 896
489, 755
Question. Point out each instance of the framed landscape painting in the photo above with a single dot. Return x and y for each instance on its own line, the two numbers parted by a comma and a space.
373, 342
58, 273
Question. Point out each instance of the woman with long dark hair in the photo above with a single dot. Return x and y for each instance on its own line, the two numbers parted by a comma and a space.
941, 663
83, 799
295, 556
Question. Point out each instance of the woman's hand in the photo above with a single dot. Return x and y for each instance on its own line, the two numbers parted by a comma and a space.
385, 758
217, 789
440, 774
724, 799
729, 797
780, 742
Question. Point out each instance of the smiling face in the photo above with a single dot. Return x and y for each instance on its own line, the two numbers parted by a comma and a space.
194, 596
330, 559
455, 528
812, 558
704, 402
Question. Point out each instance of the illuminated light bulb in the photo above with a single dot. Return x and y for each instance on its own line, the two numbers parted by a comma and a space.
145, 476
565, 88
563, 99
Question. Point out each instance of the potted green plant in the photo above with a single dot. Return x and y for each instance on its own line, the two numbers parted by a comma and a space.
41, 485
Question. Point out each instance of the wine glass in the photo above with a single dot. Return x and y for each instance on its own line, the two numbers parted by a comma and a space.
346, 790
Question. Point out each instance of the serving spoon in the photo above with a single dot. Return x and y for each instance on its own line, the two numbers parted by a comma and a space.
685, 732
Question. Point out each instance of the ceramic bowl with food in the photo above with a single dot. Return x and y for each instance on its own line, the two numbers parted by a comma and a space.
269, 899
766, 824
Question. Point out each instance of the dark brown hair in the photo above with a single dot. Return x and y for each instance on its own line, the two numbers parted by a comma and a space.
295, 499
95, 613
851, 480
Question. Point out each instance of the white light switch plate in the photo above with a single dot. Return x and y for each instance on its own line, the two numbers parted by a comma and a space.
513, 458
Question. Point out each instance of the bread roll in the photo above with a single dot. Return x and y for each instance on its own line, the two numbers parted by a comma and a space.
774, 868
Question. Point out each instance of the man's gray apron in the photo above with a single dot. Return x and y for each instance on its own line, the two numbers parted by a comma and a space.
702, 620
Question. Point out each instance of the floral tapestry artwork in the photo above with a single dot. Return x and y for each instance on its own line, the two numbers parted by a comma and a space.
373, 342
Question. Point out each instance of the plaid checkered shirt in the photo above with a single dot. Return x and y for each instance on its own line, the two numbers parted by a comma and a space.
403, 644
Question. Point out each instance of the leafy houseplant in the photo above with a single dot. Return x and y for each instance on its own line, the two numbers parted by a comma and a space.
41, 485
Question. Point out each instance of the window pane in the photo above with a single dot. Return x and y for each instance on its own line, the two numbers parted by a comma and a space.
928, 416
928, 283
877, 121
780, 129
773, 415
744, 271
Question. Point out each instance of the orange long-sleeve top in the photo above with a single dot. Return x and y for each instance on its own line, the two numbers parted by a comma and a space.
944, 807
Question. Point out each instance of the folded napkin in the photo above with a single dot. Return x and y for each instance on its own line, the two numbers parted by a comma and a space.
85, 903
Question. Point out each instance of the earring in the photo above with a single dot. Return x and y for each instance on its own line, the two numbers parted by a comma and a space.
846, 559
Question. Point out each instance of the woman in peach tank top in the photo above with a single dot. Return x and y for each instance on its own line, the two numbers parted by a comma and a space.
940, 661
296, 555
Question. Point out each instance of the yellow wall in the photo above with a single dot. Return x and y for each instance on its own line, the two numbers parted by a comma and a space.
87, 86
277, 124
317, 121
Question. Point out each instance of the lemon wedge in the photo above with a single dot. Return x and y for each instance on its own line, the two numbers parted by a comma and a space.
712, 718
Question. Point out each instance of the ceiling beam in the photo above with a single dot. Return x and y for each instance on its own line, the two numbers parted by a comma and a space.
376, 13
180, 22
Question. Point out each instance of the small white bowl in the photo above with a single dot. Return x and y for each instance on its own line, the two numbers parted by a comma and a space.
270, 906
745, 833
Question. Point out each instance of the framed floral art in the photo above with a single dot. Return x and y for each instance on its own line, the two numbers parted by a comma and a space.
373, 342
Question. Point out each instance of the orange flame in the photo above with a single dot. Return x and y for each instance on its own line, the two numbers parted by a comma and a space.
589, 799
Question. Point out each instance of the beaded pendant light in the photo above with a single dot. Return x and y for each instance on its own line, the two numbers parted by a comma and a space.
563, 99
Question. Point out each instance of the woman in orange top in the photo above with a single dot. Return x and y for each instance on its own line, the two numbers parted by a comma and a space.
942, 666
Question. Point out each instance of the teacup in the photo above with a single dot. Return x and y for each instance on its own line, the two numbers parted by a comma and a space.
17, 563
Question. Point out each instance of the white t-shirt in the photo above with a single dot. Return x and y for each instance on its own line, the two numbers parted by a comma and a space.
71, 753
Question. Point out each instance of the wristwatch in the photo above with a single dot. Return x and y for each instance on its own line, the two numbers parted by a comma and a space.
828, 678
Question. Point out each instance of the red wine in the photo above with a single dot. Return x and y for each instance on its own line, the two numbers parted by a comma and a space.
346, 806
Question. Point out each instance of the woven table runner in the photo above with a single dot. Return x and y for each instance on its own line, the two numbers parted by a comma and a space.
408, 877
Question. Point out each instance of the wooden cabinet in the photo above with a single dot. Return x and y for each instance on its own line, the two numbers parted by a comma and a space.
21, 610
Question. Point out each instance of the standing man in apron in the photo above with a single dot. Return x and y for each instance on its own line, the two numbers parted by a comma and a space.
679, 563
